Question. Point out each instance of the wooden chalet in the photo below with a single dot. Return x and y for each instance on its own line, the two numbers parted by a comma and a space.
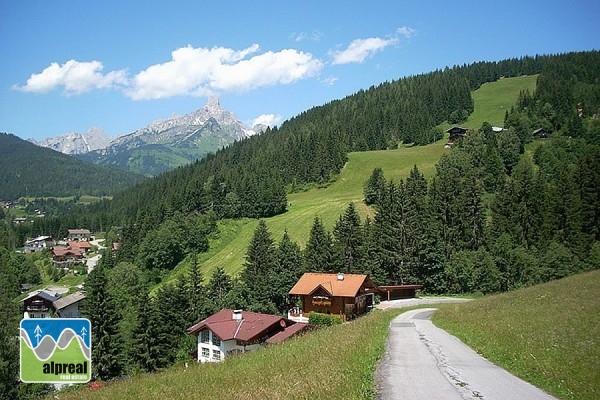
540, 133
66, 255
456, 132
40, 304
346, 295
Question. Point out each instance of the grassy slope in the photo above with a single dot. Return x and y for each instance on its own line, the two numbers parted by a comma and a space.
229, 249
312, 366
545, 334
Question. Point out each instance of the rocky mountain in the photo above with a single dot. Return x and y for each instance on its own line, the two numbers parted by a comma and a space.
76, 143
166, 144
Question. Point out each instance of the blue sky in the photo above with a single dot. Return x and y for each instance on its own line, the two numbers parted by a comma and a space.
68, 66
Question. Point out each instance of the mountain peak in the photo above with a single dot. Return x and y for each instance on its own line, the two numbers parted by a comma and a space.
213, 101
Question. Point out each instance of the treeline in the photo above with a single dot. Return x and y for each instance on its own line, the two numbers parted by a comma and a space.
27, 170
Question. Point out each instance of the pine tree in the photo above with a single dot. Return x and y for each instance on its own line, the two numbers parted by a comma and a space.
260, 262
375, 187
218, 290
9, 351
287, 271
318, 253
347, 241
100, 309
145, 349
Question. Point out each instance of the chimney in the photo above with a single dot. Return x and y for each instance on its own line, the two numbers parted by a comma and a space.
340, 277
237, 315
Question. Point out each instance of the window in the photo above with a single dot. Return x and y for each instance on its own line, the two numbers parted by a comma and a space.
216, 341
204, 336
205, 352
216, 355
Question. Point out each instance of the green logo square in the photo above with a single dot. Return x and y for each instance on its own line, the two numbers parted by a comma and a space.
56, 350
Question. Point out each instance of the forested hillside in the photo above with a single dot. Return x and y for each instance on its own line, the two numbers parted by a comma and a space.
29, 170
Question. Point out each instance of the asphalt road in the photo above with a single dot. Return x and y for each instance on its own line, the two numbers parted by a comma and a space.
423, 362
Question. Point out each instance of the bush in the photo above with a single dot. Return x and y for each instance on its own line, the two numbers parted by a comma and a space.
319, 319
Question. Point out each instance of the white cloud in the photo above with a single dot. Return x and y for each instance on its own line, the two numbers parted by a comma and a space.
406, 32
330, 80
75, 77
360, 49
314, 36
202, 71
267, 119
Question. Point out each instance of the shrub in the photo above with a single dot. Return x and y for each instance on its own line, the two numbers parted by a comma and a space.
320, 319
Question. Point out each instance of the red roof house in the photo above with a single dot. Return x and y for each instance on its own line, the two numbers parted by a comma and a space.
235, 331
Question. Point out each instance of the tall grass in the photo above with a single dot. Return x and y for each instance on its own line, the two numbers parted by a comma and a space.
336, 362
545, 334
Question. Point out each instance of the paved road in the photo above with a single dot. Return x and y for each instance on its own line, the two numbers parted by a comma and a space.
93, 261
423, 362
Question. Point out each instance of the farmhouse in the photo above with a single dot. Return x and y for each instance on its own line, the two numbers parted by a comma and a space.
66, 255
47, 303
68, 306
78, 234
235, 331
347, 295
38, 244
39, 304
540, 133
456, 132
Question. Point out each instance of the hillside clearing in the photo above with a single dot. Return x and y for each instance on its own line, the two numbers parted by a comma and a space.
229, 249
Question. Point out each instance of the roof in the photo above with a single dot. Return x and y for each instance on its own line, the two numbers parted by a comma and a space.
287, 332
80, 245
63, 251
44, 295
40, 239
68, 300
79, 231
250, 327
349, 286
457, 129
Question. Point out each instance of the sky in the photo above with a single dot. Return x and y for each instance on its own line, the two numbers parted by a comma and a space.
69, 66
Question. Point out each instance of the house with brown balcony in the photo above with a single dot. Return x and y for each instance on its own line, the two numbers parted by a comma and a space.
346, 295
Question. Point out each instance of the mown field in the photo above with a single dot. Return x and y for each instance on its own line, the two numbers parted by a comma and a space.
228, 249
546, 334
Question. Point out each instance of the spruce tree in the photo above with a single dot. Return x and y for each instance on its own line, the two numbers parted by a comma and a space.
318, 253
347, 241
218, 290
100, 309
260, 262
287, 271
375, 187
